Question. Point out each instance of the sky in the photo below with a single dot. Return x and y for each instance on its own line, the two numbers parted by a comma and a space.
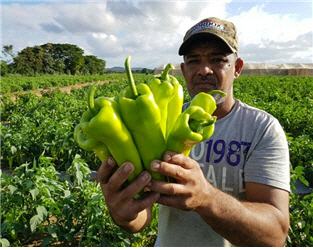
271, 32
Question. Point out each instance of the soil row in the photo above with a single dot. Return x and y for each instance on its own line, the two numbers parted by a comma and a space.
66, 89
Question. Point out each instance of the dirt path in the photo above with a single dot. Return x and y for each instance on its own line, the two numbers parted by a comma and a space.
66, 89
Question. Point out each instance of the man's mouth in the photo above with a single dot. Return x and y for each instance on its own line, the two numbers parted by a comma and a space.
205, 82
204, 85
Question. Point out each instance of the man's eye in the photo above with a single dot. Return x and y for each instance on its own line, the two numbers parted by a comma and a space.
219, 60
193, 61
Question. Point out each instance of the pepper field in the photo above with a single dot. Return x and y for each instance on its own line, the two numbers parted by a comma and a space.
48, 193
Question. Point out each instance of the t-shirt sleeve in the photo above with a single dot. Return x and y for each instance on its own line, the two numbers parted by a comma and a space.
268, 162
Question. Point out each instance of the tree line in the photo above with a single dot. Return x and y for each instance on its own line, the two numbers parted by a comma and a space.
50, 58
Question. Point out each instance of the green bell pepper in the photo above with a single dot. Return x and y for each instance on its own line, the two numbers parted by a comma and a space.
175, 105
100, 149
102, 122
193, 126
142, 117
206, 100
168, 95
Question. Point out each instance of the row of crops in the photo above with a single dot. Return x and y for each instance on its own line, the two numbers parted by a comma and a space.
24, 83
49, 199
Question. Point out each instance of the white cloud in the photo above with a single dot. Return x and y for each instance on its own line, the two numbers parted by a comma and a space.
151, 31
258, 27
90, 17
103, 42
112, 29
18, 17
273, 38
298, 50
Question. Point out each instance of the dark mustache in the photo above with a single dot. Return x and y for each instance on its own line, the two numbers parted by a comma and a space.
210, 79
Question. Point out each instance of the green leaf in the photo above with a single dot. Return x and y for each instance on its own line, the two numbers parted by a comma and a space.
12, 189
13, 150
301, 224
46, 189
34, 192
67, 193
28, 183
4, 242
304, 181
69, 237
7, 135
34, 163
34, 222
96, 197
299, 170
53, 231
46, 240
126, 242
79, 174
42, 212
4, 179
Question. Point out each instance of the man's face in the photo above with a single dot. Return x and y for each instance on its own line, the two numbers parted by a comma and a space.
210, 67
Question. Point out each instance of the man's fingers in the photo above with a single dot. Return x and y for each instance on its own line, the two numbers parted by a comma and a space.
136, 186
147, 201
166, 187
169, 200
119, 177
178, 159
105, 170
168, 169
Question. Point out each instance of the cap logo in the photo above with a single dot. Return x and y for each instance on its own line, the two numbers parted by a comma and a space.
209, 28
207, 25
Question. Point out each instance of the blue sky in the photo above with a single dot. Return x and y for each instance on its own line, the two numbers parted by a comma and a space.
271, 32
303, 9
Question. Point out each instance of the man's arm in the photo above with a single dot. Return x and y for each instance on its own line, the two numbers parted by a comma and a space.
262, 220
132, 215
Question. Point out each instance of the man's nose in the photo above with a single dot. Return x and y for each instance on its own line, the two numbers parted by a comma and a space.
205, 69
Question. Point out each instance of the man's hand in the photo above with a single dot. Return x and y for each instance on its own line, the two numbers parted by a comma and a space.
261, 220
132, 215
191, 188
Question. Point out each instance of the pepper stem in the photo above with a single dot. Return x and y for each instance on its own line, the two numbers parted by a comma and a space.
164, 75
130, 78
91, 100
198, 125
212, 92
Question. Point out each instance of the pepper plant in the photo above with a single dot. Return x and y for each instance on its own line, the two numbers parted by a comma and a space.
66, 208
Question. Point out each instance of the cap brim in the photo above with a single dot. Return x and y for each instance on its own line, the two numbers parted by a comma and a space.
186, 44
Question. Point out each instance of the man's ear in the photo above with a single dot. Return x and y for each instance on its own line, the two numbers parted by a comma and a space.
238, 67
182, 67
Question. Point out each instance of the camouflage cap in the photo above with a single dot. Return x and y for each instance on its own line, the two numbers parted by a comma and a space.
211, 27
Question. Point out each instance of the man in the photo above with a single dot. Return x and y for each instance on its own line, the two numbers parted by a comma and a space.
234, 188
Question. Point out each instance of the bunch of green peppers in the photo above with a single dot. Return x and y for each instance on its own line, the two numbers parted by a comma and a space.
145, 120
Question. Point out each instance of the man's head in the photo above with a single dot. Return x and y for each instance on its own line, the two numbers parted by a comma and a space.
210, 50
211, 28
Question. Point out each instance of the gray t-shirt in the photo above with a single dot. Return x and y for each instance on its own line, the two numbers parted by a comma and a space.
248, 145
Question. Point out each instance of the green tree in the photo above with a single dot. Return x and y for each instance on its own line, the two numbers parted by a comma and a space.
52, 58
94, 65
29, 61
8, 52
48, 66
4, 68
75, 63
67, 57
56, 55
